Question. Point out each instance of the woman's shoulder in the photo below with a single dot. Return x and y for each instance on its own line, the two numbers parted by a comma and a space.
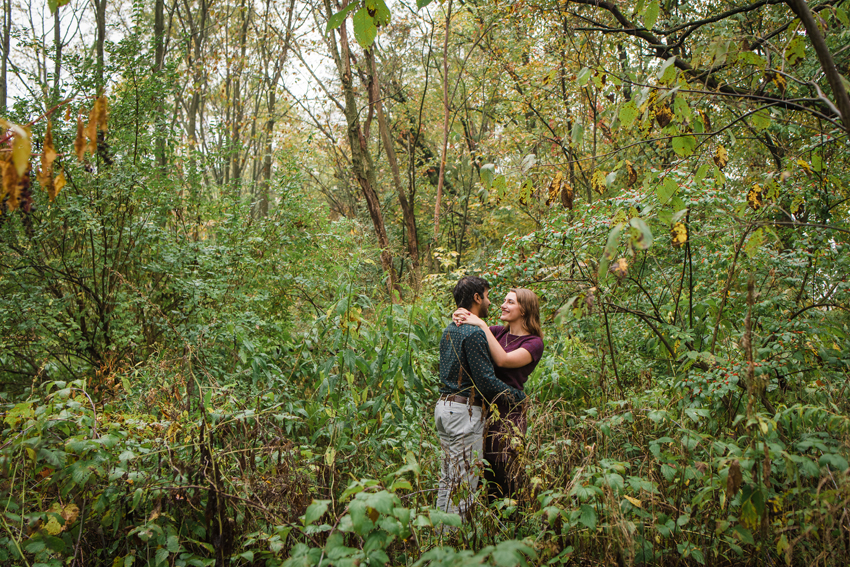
498, 330
534, 345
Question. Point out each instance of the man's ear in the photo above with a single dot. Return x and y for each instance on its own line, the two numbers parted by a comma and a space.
477, 298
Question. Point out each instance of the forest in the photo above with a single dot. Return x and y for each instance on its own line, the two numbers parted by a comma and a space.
230, 231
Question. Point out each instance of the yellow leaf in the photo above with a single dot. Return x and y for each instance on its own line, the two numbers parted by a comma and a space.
806, 167
21, 147
598, 181
679, 233
48, 155
754, 197
58, 184
52, 526
721, 157
70, 513
634, 502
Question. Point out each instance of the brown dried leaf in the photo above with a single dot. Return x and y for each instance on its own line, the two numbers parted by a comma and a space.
733, 481
91, 127
554, 188
567, 195
10, 175
721, 157
663, 115
48, 156
18, 191
620, 268
80, 141
102, 107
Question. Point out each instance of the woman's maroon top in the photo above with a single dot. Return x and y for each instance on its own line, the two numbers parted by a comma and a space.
517, 377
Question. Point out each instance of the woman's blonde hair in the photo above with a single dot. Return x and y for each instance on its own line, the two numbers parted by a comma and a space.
530, 306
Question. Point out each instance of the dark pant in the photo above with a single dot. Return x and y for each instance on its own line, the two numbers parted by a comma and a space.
503, 444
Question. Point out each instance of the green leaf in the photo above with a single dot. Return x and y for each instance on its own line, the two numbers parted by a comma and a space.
754, 242
842, 16
628, 113
666, 190
583, 76
173, 543
609, 252
440, 517
651, 15
365, 30
382, 501
382, 13
315, 511
761, 120
641, 235
588, 516
487, 172
684, 145
336, 19
161, 556
667, 70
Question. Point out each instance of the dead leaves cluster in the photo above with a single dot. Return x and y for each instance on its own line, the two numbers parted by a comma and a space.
559, 187
15, 165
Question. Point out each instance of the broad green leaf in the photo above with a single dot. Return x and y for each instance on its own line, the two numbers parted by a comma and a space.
754, 242
315, 511
487, 171
651, 15
761, 119
666, 190
381, 12
583, 76
667, 71
842, 16
628, 113
365, 29
588, 516
161, 556
641, 235
336, 19
440, 517
684, 145
609, 252
577, 134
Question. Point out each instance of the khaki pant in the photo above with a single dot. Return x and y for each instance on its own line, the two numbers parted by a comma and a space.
461, 431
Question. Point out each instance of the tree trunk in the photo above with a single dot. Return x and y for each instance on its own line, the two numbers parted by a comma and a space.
6, 39
159, 62
361, 159
100, 62
406, 206
446, 113
57, 58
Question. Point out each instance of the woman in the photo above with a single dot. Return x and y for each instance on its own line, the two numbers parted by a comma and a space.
516, 349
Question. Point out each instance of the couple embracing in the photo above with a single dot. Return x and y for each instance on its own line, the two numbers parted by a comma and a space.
483, 370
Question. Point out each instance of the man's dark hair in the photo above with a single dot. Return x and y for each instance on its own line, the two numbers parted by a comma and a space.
466, 289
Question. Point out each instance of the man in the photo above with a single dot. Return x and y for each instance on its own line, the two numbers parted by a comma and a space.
466, 372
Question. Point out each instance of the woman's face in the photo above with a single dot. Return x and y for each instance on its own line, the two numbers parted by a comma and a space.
511, 311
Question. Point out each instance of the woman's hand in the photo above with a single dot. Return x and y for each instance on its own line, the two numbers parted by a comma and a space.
464, 317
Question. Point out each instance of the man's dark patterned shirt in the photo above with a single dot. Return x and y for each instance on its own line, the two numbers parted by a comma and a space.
465, 363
